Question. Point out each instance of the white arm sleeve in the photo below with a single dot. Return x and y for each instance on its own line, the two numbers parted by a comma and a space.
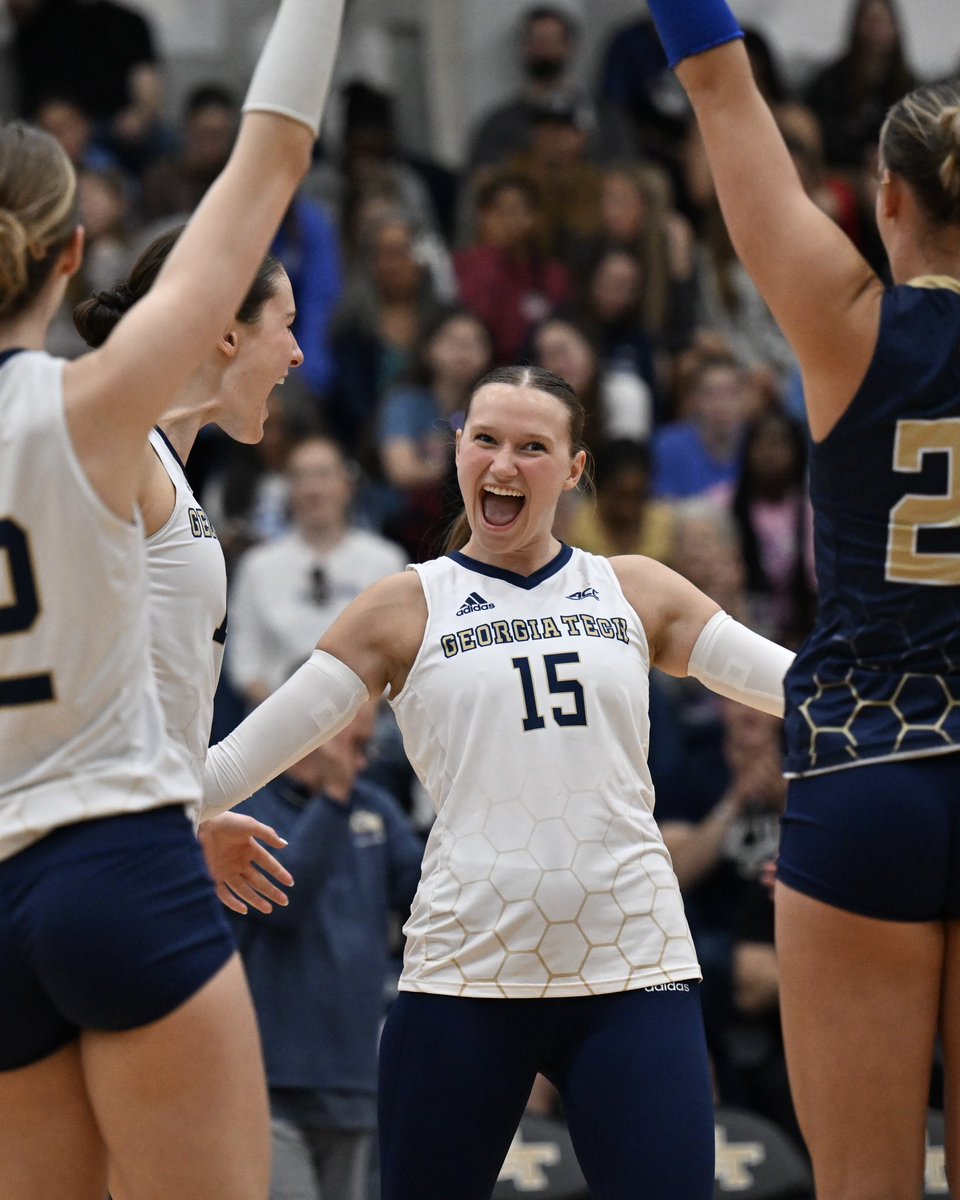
315, 703
737, 663
292, 75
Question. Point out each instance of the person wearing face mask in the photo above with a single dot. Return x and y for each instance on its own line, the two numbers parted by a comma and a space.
548, 44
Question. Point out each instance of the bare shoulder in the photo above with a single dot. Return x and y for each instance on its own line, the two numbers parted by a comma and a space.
379, 634
672, 610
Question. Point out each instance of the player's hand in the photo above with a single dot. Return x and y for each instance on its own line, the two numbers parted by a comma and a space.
240, 865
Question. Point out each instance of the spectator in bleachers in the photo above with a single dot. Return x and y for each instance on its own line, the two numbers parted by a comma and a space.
65, 120
416, 424
308, 245
368, 159
319, 967
611, 312
851, 94
729, 304
101, 55
246, 491
773, 515
702, 454
548, 43
618, 400
505, 277
174, 185
388, 299
637, 216
568, 184
635, 76
286, 592
624, 518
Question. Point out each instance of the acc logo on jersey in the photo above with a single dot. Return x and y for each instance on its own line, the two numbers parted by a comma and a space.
586, 594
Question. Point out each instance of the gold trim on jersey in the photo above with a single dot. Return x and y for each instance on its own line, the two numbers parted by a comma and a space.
935, 281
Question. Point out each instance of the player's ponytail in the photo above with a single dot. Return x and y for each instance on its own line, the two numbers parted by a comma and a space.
920, 142
950, 167
38, 212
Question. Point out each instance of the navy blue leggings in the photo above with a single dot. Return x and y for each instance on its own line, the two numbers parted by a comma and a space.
632, 1068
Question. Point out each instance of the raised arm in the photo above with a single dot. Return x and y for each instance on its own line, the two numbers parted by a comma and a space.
116, 393
822, 293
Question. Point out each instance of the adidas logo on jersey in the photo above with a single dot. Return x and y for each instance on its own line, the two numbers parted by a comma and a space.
586, 594
474, 603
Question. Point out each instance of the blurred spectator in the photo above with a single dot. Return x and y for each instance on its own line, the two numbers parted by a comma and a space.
307, 243
624, 518
729, 304
285, 593
773, 514
618, 401
703, 453
568, 185
101, 55
852, 94
721, 835
175, 185
831, 192
635, 76
548, 43
319, 968
754, 1039
104, 205
65, 120
388, 299
610, 310
506, 278
416, 424
369, 160
246, 490
636, 215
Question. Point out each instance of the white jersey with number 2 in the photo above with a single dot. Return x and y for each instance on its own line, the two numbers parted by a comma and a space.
81, 732
525, 716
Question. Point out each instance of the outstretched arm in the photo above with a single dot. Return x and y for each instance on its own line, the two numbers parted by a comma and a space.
823, 294
371, 645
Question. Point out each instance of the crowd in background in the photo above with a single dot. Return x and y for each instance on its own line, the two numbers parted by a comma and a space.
582, 234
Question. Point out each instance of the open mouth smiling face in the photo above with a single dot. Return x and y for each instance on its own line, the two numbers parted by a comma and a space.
501, 506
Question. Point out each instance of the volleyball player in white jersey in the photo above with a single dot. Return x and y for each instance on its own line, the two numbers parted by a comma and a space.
185, 564
548, 932
127, 1039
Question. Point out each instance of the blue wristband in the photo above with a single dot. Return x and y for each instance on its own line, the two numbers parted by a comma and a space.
688, 27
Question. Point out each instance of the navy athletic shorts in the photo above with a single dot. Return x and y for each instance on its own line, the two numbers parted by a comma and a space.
881, 840
632, 1068
106, 924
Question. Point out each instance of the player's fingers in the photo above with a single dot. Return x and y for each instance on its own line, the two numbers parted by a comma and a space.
263, 859
249, 892
231, 901
263, 886
266, 834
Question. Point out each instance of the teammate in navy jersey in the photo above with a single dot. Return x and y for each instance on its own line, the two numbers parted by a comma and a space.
187, 573
869, 876
548, 932
128, 1043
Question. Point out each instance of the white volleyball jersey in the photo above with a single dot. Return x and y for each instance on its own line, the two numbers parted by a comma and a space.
81, 732
525, 716
188, 612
